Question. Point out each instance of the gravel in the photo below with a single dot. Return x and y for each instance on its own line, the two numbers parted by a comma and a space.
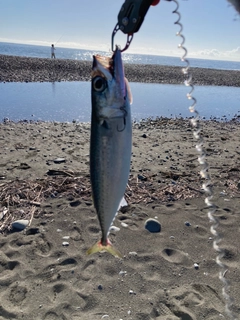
26, 69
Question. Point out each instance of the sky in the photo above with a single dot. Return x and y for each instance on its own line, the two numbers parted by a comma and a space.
211, 27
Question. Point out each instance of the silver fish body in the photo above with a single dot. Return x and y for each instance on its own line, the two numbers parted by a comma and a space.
110, 143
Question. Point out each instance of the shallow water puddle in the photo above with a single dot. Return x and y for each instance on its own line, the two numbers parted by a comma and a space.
68, 101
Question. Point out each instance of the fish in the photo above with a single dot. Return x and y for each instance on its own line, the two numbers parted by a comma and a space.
110, 142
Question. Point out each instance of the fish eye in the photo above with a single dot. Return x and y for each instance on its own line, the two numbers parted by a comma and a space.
99, 84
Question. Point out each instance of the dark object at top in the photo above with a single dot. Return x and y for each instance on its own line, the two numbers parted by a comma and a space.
131, 15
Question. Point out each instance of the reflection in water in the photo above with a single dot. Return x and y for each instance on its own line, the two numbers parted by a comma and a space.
67, 101
53, 88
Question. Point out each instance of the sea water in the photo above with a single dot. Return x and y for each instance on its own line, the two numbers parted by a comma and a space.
68, 101
81, 54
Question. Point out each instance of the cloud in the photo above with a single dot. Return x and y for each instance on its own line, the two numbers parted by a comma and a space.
234, 52
216, 54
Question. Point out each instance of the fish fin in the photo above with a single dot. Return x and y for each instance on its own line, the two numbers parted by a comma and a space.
99, 247
129, 93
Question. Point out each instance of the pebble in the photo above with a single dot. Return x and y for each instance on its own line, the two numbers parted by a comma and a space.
196, 266
113, 228
142, 178
59, 160
152, 225
65, 243
187, 223
20, 224
66, 237
133, 253
123, 224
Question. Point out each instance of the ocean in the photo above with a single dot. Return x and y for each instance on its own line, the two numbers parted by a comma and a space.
26, 50
68, 101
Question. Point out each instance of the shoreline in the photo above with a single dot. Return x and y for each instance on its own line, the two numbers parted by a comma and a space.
27, 69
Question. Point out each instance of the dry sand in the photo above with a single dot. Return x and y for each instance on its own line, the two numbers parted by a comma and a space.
156, 279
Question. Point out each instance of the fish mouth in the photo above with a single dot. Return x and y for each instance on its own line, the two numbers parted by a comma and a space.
111, 68
110, 89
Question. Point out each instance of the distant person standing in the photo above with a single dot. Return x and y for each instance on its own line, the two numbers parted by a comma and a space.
53, 51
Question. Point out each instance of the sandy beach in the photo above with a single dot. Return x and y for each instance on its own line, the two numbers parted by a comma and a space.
169, 275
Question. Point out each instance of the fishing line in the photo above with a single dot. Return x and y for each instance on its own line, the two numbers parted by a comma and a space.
204, 172
58, 40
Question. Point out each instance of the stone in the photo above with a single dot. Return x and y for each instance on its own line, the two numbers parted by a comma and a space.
20, 224
152, 225
196, 266
59, 160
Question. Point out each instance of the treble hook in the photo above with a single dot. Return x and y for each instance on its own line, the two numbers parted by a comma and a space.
129, 38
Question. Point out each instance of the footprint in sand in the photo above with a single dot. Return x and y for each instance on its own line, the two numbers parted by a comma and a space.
75, 234
184, 301
6, 314
12, 254
7, 265
71, 296
17, 295
43, 246
176, 256
201, 231
51, 316
12, 299
88, 269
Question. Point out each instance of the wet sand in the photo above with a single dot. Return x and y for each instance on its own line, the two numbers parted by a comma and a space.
44, 270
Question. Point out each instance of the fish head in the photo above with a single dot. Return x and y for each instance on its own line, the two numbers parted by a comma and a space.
110, 89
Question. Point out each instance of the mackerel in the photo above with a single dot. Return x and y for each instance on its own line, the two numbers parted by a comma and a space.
110, 143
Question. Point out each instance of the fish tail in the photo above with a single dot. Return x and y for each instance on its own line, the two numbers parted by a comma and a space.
99, 247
